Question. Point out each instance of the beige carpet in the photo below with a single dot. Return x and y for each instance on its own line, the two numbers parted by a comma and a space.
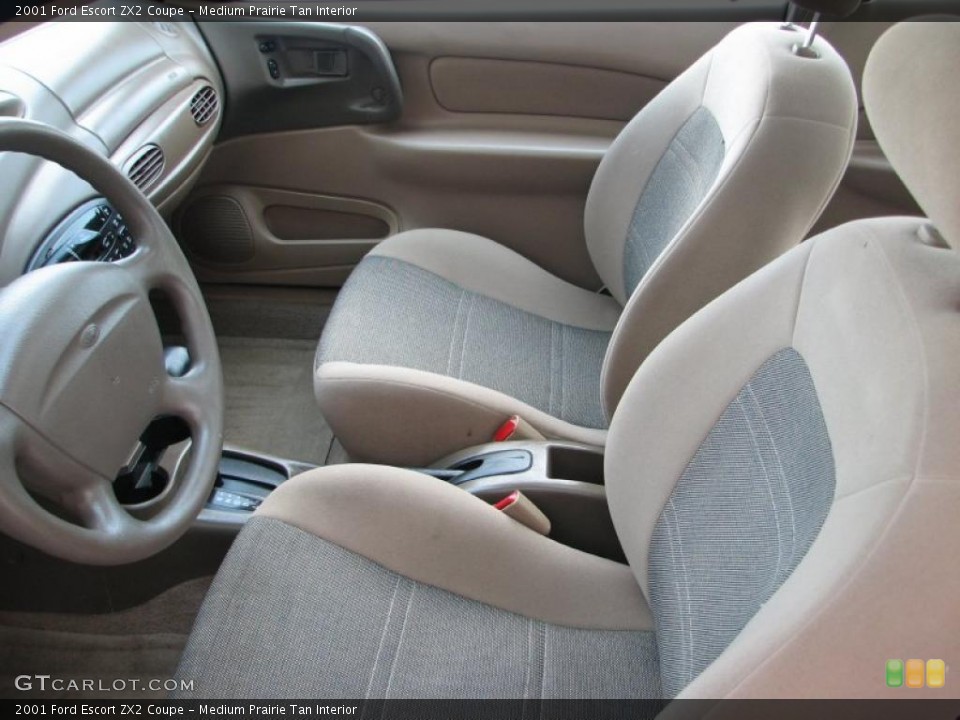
142, 643
270, 406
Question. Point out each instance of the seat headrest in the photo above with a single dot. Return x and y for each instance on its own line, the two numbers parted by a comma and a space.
837, 8
911, 90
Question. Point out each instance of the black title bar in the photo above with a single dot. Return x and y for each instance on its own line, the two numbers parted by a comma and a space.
449, 10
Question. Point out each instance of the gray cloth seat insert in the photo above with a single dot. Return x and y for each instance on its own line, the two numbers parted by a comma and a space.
741, 517
678, 184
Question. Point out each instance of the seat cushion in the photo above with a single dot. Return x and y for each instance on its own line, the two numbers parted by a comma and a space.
294, 616
394, 313
462, 307
343, 586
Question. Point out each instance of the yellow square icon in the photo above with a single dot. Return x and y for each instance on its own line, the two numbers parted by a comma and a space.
936, 673
914, 674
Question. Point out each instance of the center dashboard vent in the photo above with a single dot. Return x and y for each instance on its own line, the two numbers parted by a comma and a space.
203, 105
145, 166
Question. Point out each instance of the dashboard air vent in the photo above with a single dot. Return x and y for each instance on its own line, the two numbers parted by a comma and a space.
204, 104
146, 166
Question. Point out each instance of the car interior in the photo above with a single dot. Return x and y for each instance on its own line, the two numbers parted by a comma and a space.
482, 360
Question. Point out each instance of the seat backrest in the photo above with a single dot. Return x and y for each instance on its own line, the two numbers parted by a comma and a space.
724, 170
784, 469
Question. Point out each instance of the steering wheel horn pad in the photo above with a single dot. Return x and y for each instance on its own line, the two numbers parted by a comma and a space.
87, 380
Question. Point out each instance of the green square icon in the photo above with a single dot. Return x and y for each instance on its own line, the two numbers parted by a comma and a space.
894, 673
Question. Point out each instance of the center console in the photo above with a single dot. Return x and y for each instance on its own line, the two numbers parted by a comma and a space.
564, 480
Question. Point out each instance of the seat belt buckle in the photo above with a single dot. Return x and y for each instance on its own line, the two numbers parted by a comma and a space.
516, 428
519, 507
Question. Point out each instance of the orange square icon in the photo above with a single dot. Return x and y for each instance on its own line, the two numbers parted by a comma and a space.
914, 673
936, 673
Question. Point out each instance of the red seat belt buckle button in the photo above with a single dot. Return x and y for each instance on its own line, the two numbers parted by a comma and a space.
507, 501
507, 430
518, 507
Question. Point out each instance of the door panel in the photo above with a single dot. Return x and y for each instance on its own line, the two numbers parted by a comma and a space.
657, 49
245, 233
502, 129
520, 185
291, 75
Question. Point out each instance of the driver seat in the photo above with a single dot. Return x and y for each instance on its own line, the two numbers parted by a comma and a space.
782, 472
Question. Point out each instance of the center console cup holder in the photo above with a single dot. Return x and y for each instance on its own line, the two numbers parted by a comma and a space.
565, 480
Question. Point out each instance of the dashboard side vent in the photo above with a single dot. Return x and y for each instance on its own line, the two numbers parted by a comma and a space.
146, 166
203, 105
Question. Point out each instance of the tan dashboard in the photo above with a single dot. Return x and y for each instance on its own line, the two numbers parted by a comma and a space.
146, 95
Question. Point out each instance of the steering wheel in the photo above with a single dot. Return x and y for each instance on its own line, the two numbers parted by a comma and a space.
82, 376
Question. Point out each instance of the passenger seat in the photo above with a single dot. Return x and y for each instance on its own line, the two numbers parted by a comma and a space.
439, 336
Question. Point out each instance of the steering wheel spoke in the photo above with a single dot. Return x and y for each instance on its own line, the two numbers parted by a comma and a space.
97, 508
187, 397
146, 263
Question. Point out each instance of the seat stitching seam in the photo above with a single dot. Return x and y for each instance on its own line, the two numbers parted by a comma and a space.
676, 551
383, 636
561, 377
782, 474
542, 628
766, 476
686, 589
466, 334
550, 375
526, 681
455, 334
403, 630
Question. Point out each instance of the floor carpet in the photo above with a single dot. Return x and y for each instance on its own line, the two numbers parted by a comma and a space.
143, 643
270, 406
